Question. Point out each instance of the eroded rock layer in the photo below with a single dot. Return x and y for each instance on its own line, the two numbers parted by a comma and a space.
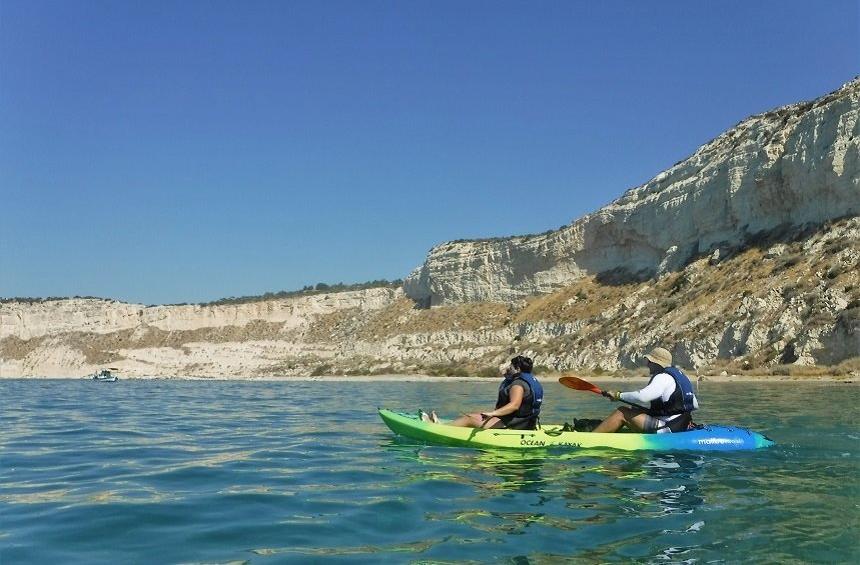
796, 165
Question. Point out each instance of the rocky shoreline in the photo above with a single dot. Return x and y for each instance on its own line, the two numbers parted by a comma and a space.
604, 380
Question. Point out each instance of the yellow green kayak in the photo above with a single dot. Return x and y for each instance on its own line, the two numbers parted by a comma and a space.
704, 438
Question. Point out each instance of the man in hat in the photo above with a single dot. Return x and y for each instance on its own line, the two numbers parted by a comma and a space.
664, 405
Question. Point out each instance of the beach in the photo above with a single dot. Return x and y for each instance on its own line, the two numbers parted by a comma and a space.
420, 378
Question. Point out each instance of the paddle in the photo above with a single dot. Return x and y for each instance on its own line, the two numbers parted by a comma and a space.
581, 384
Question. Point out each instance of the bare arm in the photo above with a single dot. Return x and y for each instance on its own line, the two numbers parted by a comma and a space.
517, 392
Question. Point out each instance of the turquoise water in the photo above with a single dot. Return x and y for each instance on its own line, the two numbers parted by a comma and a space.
217, 472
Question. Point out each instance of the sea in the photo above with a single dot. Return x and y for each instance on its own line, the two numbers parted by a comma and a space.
180, 471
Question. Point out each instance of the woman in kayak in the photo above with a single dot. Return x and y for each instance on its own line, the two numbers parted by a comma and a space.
664, 405
517, 406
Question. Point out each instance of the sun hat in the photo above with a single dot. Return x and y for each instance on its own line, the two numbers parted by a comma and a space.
660, 356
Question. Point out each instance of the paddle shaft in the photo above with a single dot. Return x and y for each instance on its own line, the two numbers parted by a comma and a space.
577, 383
609, 396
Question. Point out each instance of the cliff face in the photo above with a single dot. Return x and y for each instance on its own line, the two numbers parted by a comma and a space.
33, 320
792, 300
75, 336
792, 166
749, 265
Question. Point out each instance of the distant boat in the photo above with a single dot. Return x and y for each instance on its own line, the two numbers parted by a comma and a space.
105, 375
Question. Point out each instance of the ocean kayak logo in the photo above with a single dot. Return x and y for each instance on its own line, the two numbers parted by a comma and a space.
532, 442
525, 442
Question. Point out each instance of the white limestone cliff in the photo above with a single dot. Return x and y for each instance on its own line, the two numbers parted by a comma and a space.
795, 302
799, 164
29, 320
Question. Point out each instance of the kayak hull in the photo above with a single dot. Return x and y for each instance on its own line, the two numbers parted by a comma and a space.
707, 438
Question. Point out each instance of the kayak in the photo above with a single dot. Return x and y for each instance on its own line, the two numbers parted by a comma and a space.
703, 438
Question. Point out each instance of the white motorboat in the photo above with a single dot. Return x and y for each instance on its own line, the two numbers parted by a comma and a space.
105, 375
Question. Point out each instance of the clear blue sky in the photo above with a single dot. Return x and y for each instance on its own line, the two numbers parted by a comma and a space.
185, 151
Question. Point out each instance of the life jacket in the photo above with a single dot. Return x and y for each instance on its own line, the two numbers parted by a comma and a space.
681, 401
532, 399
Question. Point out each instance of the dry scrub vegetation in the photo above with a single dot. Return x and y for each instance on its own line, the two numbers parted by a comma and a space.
811, 281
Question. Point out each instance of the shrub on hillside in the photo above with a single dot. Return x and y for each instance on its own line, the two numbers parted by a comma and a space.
319, 288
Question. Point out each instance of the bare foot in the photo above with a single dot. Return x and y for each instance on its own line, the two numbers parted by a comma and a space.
433, 417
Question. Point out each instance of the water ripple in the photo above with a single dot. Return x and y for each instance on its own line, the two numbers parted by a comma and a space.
238, 472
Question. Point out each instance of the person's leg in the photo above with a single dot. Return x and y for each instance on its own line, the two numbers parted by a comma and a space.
611, 424
680, 424
492, 422
468, 421
635, 419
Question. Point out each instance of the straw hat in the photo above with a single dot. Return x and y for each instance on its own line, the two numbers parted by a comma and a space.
660, 356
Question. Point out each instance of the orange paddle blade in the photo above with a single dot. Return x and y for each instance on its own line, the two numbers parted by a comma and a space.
579, 384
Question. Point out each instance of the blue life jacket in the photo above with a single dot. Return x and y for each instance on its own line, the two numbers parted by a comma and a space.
532, 399
681, 401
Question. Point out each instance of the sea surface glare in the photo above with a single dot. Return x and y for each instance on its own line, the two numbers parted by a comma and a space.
170, 471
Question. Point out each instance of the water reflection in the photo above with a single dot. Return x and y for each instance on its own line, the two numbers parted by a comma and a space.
574, 473
679, 477
625, 497
231, 471
493, 471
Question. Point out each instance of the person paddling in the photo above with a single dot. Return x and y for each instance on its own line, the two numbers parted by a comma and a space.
666, 402
517, 406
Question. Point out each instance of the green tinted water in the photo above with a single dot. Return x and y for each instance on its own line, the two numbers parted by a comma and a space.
182, 472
